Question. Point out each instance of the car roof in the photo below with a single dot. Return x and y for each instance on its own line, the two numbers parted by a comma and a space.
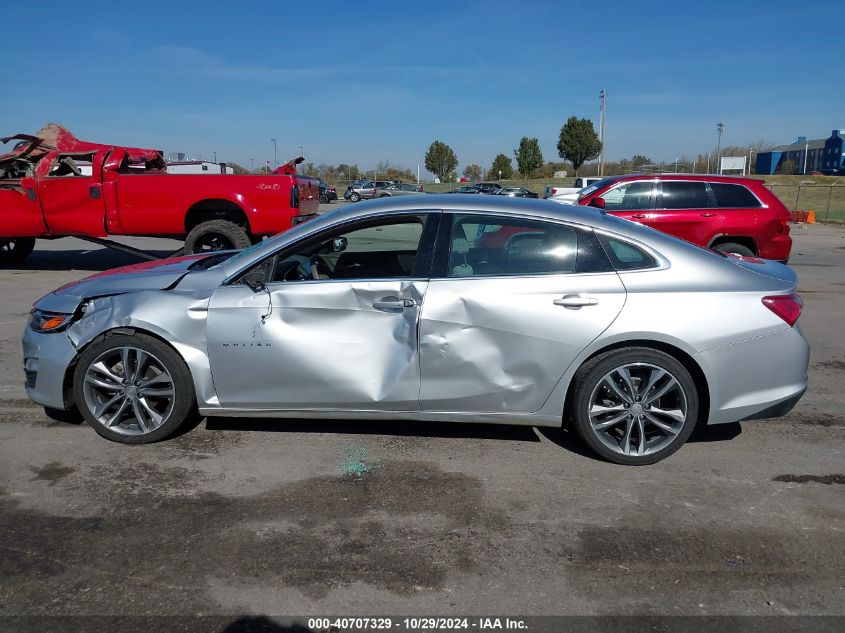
695, 177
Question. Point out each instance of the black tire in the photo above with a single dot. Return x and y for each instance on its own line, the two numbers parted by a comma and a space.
184, 397
216, 235
354, 196
324, 199
734, 247
13, 250
70, 416
591, 374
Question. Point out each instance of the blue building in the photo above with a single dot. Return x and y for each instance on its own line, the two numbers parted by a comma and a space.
824, 155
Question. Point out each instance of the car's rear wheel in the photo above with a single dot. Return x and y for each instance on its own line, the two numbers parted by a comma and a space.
324, 199
15, 250
133, 389
734, 247
216, 235
354, 196
634, 405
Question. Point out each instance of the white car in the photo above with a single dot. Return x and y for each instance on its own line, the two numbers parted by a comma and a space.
568, 195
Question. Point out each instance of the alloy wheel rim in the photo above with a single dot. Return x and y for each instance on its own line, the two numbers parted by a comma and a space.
129, 390
638, 409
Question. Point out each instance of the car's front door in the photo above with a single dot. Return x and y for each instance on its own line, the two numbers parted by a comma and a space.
328, 324
510, 305
72, 197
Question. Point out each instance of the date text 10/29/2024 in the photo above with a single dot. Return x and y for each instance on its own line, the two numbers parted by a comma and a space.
340, 624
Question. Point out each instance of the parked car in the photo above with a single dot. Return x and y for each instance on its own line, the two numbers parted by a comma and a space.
568, 195
517, 192
412, 308
327, 192
366, 190
726, 213
54, 185
466, 189
403, 189
488, 187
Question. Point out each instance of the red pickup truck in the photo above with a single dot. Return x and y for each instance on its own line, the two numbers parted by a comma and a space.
53, 185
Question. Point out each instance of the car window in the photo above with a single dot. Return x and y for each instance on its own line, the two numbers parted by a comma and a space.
684, 195
496, 246
386, 250
629, 196
733, 196
624, 255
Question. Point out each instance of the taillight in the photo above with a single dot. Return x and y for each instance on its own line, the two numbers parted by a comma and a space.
787, 307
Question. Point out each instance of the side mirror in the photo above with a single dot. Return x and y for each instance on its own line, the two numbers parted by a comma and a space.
339, 244
597, 202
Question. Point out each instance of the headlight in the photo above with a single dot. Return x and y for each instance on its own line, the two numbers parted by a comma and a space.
41, 321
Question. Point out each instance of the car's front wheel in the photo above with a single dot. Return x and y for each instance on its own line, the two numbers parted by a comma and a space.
354, 196
15, 250
133, 389
634, 405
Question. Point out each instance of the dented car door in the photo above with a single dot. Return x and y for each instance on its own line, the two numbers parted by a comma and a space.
510, 305
333, 327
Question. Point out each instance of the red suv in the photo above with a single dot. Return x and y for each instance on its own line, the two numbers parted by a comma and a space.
728, 214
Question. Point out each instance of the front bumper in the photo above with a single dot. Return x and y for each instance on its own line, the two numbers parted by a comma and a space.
47, 358
762, 377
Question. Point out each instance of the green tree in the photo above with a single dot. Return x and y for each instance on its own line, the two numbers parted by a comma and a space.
578, 142
501, 165
440, 160
472, 172
528, 155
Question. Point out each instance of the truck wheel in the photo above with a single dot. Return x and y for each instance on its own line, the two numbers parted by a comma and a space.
216, 235
354, 196
15, 250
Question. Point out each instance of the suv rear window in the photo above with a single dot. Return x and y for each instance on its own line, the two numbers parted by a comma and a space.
625, 256
684, 195
733, 196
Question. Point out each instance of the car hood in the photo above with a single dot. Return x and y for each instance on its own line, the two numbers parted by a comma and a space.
155, 275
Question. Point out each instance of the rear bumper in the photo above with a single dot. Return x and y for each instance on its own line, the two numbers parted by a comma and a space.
47, 358
759, 378
777, 248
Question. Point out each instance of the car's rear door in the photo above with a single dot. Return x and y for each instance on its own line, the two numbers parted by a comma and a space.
685, 209
504, 318
338, 334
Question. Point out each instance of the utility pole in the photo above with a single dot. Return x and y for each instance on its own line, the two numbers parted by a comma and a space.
252, 165
708, 162
750, 154
275, 159
603, 97
215, 157
806, 151
719, 128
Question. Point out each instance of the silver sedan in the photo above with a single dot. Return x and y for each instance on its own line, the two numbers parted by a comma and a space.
436, 308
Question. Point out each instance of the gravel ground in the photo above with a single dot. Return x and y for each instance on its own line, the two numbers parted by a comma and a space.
247, 516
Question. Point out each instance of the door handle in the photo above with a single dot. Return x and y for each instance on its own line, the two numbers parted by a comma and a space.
640, 216
393, 304
576, 302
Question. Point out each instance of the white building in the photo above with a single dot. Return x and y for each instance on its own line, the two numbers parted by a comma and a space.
197, 167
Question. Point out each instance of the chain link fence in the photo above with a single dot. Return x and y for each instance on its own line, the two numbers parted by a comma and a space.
827, 201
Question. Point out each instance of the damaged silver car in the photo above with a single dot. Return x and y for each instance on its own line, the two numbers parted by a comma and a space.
434, 308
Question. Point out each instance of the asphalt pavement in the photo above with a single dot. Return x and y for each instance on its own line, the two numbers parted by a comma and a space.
247, 516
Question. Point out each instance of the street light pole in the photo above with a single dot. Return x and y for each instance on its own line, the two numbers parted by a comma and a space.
275, 159
719, 128
750, 155
252, 165
806, 151
603, 97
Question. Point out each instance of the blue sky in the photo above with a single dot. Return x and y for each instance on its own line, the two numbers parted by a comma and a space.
365, 82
